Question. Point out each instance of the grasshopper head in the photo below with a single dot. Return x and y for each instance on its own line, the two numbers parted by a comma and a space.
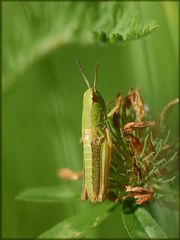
91, 97
94, 108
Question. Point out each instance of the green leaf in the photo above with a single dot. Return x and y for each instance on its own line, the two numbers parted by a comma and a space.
78, 225
49, 194
34, 29
140, 225
137, 30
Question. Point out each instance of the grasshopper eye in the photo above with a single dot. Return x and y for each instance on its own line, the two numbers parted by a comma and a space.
95, 97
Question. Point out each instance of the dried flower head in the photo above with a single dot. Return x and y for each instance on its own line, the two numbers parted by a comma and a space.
141, 157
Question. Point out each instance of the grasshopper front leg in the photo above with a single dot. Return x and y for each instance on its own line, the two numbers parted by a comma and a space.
116, 107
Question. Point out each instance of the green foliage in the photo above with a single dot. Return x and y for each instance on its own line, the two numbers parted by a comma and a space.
49, 195
32, 35
141, 225
78, 225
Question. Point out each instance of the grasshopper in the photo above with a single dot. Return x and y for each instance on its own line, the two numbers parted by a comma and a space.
96, 140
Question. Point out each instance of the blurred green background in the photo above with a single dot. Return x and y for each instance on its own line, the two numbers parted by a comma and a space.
42, 104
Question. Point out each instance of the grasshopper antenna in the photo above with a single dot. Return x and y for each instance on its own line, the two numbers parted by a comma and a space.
82, 72
95, 76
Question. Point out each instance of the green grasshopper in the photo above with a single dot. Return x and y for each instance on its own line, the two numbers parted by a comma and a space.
97, 142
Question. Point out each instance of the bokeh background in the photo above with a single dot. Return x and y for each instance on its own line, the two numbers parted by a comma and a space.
42, 105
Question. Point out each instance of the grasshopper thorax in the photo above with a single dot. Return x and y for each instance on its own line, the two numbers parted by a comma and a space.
94, 108
91, 97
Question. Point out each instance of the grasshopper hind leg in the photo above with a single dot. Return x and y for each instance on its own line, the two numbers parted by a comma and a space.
105, 165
